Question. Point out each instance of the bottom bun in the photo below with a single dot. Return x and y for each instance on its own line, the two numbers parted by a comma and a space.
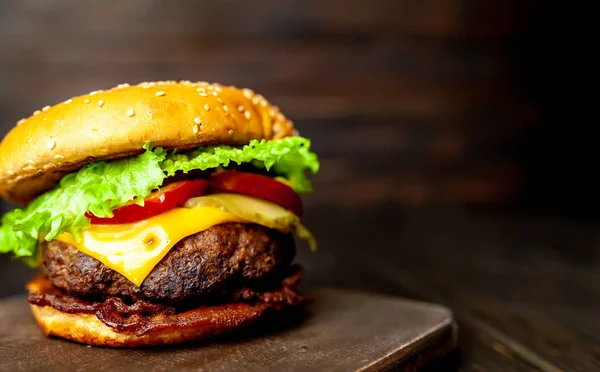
88, 329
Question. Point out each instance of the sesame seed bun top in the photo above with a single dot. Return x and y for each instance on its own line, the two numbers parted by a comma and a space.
116, 123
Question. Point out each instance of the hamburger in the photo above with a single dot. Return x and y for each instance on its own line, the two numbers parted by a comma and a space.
159, 213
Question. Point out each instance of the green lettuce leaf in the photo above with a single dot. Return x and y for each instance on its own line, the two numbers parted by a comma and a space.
103, 186
289, 157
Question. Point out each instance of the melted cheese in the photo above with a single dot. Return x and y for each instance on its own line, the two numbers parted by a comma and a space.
134, 249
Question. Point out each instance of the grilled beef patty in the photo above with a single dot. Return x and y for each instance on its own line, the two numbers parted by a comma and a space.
210, 263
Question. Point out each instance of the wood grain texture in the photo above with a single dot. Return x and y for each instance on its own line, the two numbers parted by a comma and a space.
524, 290
345, 331
431, 87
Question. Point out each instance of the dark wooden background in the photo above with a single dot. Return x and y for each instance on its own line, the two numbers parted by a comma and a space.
421, 111
410, 101
419, 102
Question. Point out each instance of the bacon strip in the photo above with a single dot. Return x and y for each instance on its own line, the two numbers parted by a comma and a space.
143, 317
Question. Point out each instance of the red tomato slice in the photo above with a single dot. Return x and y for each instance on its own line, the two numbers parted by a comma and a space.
258, 186
172, 195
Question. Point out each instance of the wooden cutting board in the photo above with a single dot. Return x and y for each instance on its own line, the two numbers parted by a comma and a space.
342, 331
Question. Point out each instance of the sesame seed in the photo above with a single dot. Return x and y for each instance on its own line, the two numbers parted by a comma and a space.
241, 108
10, 172
20, 121
255, 100
219, 100
160, 93
225, 108
280, 117
58, 157
93, 93
29, 168
215, 93
206, 107
247, 114
46, 108
124, 85
153, 83
68, 101
276, 128
203, 94
197, 120
247, 93
130, 112
218, 88
100, 103
230, 132
87, 100
195, 129
264, 103
51, 144
272, 112
36, 112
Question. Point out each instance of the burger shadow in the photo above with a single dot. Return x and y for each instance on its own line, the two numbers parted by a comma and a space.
276, 324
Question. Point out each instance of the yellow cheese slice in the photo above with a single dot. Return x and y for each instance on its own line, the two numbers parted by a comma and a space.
134, 249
